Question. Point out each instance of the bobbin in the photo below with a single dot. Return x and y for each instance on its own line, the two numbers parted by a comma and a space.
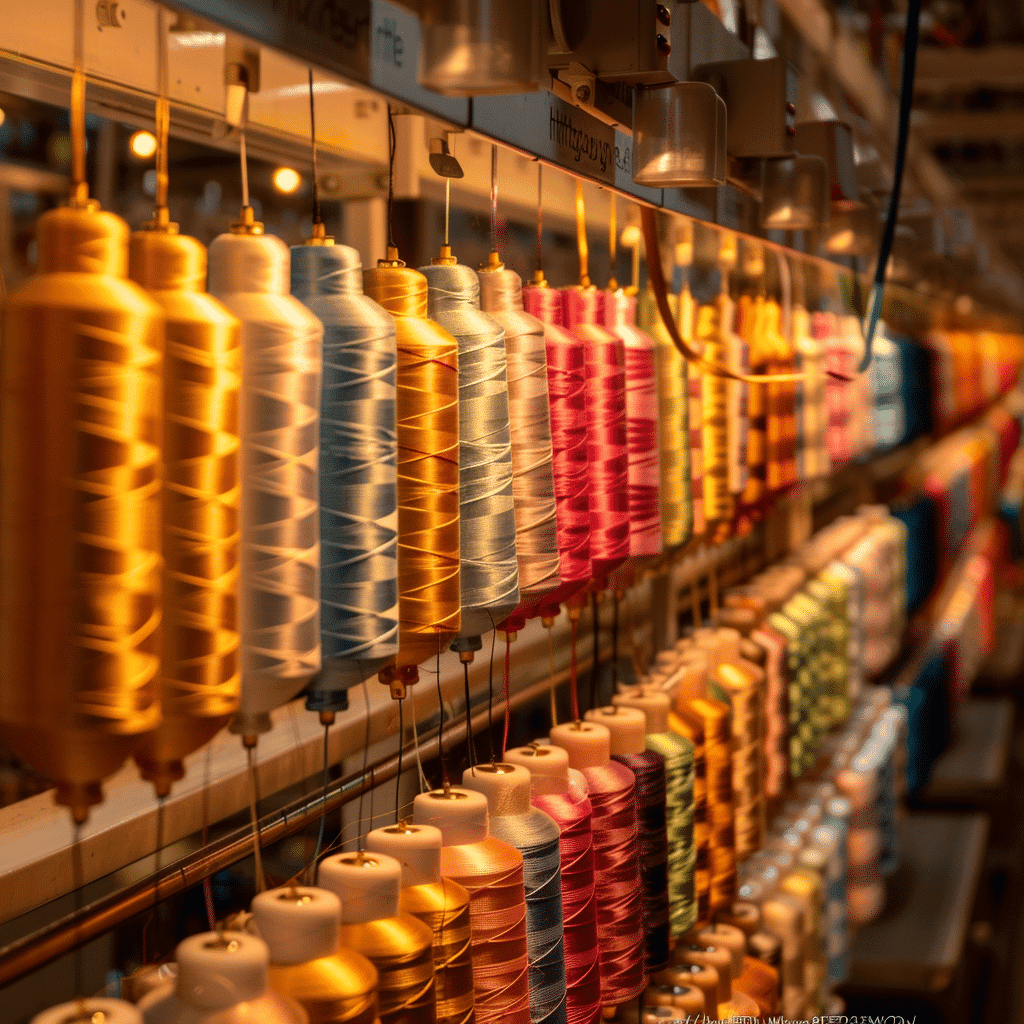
297, 923
547, 764
416, 847
506, 787
627, 727
366, 884
588, 744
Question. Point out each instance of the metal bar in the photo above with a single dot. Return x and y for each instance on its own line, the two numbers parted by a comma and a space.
33, 951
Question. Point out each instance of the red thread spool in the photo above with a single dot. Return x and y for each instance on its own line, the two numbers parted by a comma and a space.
567, 396
616, 862
617, 312
607, 452
551, 793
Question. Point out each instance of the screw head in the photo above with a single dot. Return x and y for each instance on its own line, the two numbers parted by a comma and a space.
583, 93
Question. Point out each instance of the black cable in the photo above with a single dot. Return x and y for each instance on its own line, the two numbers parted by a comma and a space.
317, 217
903, 132
470, 744
440, 728
398, 774
392, 143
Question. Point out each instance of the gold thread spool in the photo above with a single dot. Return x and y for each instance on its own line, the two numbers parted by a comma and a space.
442, 905
398, 945
332, 984
750, 324
199, 672
428, 468
695, 403
781, 423
684, 721
80, 427
718, 501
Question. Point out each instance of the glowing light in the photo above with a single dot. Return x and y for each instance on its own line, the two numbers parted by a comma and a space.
286, 180
1, 115
142, 144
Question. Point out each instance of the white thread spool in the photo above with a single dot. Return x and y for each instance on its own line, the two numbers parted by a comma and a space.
108, 1011
588, 744
298, 924
505, 786
655, 706
222, 977
417, 848
460, 814
548, 766
366, 884
627, 728
279, 400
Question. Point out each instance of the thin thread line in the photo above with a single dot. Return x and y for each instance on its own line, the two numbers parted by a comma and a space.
392, 143
317, 218
257, 851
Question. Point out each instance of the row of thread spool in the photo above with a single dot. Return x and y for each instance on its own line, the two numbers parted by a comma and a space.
310, 541
789, 898
782, 935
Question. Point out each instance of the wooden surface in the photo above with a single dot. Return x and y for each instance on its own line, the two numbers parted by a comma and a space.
918, 941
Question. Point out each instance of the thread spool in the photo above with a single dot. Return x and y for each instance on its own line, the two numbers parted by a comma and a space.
487, 527
607, 450
681, 997
358, 470
715, 405
300, 927
695, 407
810, 361
678, 756
427, 404
552, 792
492, 872
80, 421
89, 1011
673, 426
398, 945
199, 679
617, 311
699, 976
279, 567
566, 361
535, 835
533, 482
222, 976
616, 864
441, 904
627, 726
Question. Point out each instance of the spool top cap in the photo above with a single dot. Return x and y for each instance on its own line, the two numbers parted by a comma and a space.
729, 938
82, 239
326, 270
506, 786
654, 704
627, 727
402, 291
416, 847
165, 260
588, 744
114, 1011
297, 923
548, 766
366, 883
460, 814
248, 263
217, 970
451, 286
501, 290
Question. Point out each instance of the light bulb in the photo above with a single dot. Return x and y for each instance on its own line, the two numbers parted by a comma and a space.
286, 180
142, 144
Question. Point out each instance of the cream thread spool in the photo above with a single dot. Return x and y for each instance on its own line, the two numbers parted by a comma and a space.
222, 977
399, 946
492, 872
535, 835
441, 904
